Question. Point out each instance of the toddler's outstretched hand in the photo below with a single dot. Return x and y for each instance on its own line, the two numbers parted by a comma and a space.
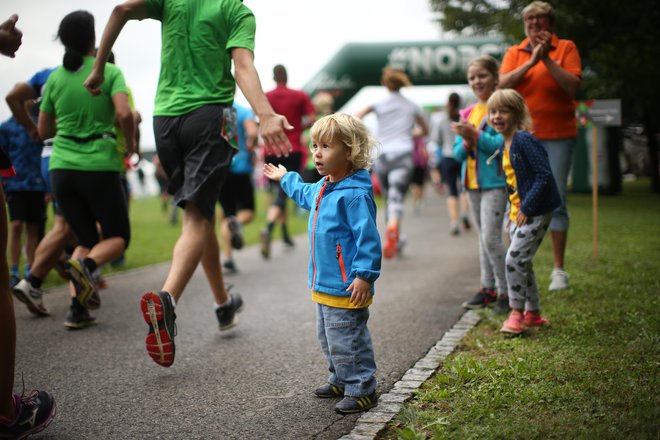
274, 172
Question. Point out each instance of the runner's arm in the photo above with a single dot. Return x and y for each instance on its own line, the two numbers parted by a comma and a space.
271, 125
129, 10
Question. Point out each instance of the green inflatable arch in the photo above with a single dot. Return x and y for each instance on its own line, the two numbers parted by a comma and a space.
358, 65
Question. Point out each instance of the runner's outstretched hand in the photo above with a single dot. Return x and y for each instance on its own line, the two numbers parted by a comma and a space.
271, 128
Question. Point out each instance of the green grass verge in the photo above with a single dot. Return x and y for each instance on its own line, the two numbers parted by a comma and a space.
593, 373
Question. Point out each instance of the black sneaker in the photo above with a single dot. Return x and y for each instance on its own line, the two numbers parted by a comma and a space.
84, 283
329, 390
466, 224
235, 230
34, 413
481, 299
78, 316
227, 314
350, 404
502, 304
288, 242
265, 243
158, 312
230, 267
31, 297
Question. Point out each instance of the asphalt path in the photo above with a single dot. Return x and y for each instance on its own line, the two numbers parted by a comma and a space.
255, 381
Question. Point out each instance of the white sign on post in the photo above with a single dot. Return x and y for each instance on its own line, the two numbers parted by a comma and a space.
594, 113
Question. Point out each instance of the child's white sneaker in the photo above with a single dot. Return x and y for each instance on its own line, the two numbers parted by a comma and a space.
558, 279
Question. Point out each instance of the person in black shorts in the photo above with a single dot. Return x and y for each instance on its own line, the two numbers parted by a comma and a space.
195, 132
25, 194
85, 164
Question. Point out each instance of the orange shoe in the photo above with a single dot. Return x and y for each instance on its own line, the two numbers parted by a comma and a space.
514, 324
534, 319
391, 242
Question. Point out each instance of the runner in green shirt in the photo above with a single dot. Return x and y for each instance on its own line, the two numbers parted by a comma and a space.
85, 162
195, 130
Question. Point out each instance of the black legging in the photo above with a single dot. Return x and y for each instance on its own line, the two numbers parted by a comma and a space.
87, 197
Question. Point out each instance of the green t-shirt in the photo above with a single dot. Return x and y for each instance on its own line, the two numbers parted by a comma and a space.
81, 115
195, 60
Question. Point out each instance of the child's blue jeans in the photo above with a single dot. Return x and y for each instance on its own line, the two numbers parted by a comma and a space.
346, 344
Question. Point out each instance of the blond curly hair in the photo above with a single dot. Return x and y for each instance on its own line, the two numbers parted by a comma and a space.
351, 132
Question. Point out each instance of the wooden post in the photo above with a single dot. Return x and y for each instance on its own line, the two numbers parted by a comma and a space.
594, 187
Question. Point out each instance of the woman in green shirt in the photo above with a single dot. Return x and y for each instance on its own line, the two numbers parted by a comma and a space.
85, 163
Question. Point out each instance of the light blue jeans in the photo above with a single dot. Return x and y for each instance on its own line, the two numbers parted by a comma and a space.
560, 155
346, 343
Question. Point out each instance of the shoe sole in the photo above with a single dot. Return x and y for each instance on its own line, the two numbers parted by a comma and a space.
32, 307
510, 331
356, 410
87, 295
159, 343
79, 325
234, 323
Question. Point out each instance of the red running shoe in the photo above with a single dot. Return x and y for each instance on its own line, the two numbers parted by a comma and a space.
534, 319
514, 324
158, 312
391, 242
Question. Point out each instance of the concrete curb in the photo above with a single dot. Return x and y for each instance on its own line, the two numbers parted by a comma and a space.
372, 422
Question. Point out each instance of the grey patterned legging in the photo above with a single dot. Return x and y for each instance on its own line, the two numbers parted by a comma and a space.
525, 241
394, 176
488, 208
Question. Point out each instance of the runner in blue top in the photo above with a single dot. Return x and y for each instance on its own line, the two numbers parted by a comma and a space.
237, 194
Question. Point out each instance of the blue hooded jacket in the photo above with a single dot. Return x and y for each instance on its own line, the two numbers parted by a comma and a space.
537, 188
343, 237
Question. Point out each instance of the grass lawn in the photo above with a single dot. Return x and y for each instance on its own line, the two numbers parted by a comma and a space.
593, 373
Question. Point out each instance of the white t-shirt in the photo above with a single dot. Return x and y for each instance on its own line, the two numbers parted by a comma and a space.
396, 119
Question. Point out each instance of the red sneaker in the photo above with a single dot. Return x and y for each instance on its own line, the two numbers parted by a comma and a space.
514, 324
158, 312
534, 319
391, 242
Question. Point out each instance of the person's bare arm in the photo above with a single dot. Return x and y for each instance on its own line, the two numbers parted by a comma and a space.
129, 10
47, 125
423, 125
16, 100
125, 119
364, 112
271, 125
568, 82
251, 133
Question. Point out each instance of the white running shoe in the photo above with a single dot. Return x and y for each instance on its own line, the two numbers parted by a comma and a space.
558, 279
31, 297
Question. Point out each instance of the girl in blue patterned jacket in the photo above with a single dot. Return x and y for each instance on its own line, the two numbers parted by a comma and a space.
533, 195
345, 254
